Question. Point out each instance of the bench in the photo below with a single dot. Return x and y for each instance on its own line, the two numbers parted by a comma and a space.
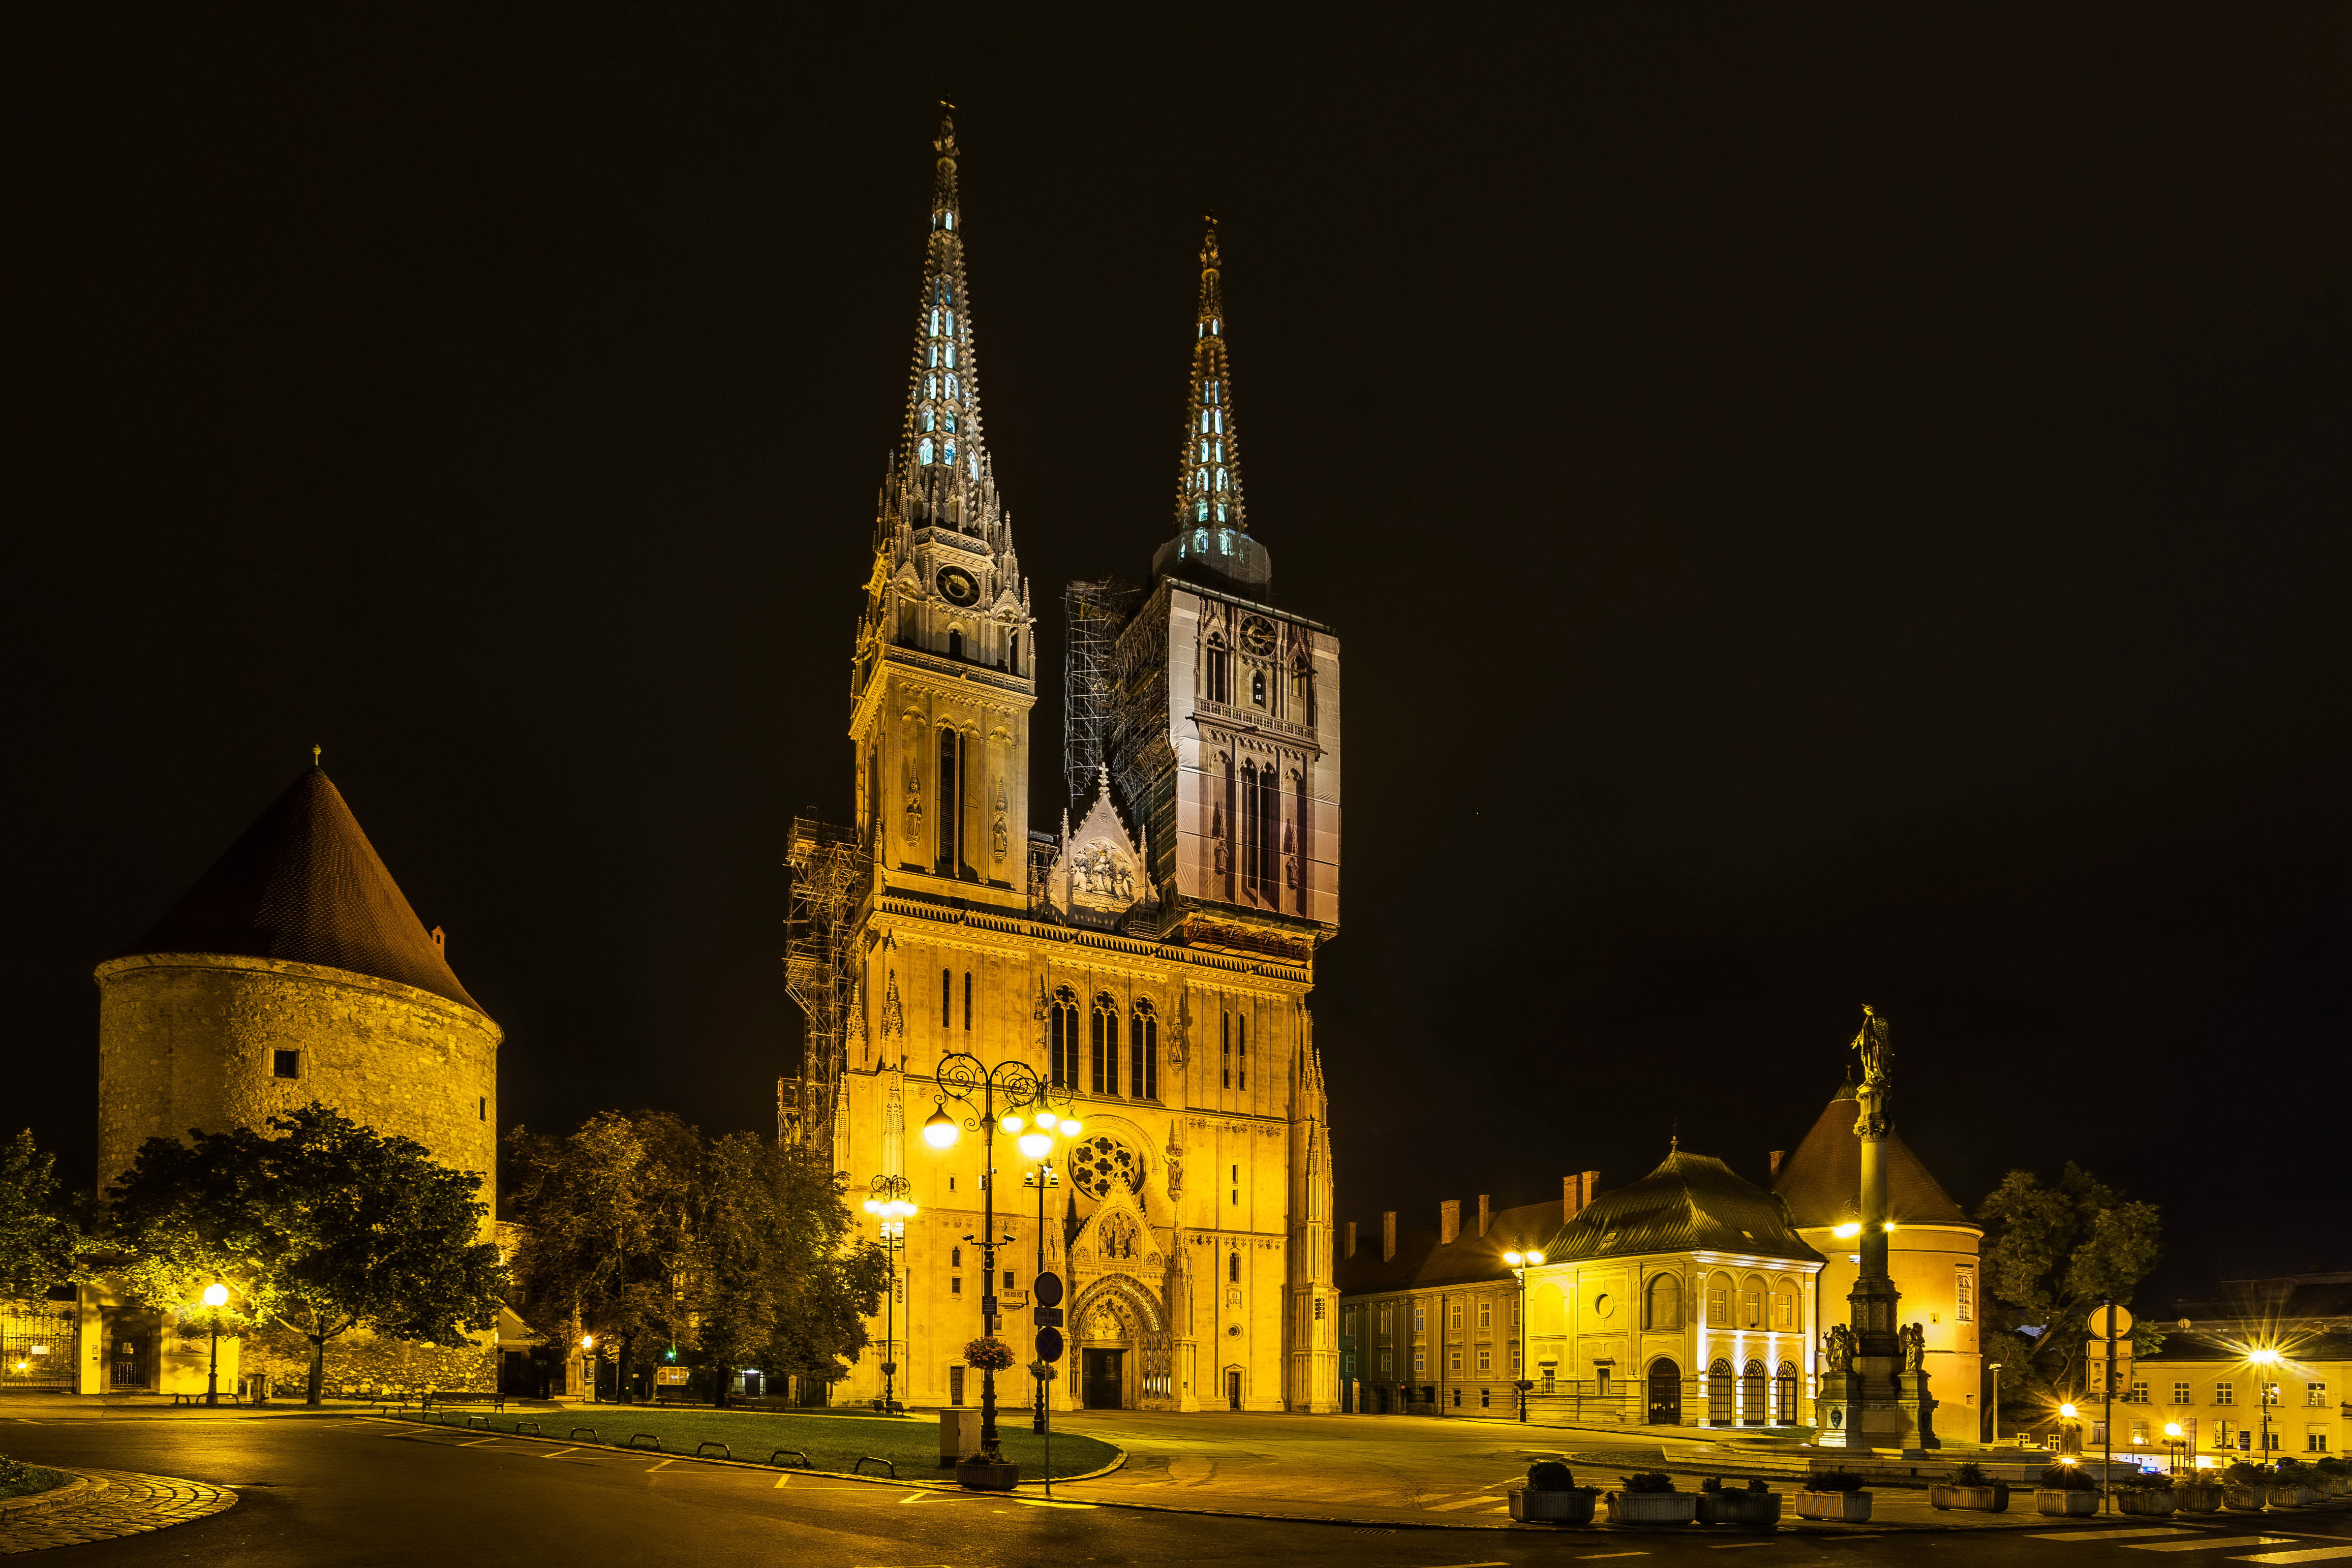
229, 1398
495, 1401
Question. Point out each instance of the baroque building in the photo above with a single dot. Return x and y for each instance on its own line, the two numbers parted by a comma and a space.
1149, 956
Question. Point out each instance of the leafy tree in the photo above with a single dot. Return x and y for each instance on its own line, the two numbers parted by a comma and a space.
40, 1247
329, 1227
2052, 1255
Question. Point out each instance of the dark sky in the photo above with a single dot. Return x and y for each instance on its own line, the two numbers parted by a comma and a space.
1824, 506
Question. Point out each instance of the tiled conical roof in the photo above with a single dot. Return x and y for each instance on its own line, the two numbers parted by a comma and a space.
1822, 1180
1691, 1202
303, 884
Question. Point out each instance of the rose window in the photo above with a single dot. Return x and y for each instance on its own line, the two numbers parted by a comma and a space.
1100, 1164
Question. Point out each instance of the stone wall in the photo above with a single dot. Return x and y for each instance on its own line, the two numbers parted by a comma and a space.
190, 1041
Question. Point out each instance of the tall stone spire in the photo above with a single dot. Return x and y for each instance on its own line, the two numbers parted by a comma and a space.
940, 475
1209, 468
1213, 542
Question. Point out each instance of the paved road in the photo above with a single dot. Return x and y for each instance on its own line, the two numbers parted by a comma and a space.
331, 1493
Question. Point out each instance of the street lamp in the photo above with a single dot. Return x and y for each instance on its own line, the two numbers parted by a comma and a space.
1043, 1179
1995, 1411
2265, 1358
891, 1204
588, 1363
1520, 1263
2172, 1444
959, 1077
216, 1297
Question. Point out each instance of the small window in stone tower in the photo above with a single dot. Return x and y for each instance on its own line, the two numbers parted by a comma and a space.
1233, 1268
486, 1108
1257, 687
286, 1063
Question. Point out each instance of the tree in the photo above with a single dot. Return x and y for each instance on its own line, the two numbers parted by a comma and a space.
2052, 1256
329, 1227
40, 1247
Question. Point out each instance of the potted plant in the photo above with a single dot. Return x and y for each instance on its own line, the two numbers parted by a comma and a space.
2291, 1484
2244, 1488
1552, 1497
2335, 1473
1969, 1489
2147, 1493
1836, 1495
1650, 1497
1755, 1503
2197, 1493
2066, 1490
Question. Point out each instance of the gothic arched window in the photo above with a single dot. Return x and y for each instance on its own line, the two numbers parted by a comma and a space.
1233, 1268
1106, 1046
952, 389
923, 451
1064, 1057
1143, 1053
955, 644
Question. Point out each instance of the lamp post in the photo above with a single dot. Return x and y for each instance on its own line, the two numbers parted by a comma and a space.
1045, 1178
1995, 1412
890, 1204
216, 1297
588, 1363
961, 1076
2263, 1359
1520, 1262
2172, 1447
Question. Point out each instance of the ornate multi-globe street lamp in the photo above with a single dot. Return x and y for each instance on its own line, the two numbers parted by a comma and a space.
1003, 1092
1520, 1262
891, 1205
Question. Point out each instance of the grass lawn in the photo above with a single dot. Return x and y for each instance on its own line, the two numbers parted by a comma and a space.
23, 1480
831, 1442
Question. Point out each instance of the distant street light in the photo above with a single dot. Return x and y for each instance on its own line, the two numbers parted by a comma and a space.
216, 1297
1995, 1412
892, 1206
1520, 1262
2264, 1392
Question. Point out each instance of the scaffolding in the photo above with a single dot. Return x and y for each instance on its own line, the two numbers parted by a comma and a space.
825, 863
1092, 615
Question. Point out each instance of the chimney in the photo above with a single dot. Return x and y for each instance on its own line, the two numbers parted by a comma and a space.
1568, 1205
1590, 1187
1449, 1221
1351, 1243
1777, 1156
1388, 1234
1482, 1214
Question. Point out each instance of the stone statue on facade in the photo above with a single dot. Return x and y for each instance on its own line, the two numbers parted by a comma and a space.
1837, 1348
1877, 1055
1915, 1347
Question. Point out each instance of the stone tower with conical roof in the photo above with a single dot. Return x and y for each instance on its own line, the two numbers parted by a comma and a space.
294, 970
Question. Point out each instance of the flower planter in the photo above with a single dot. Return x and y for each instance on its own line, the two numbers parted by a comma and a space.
2241, 1499
2196, 1497
2148, 1502
2066, 1501
980, 1475
1847, 1507
1573, 1506
2292, 1497
1653, 1507
1982, 1499
1738, 1508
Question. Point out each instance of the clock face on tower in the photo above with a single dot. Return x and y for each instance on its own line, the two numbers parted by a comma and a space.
956, 586
1257, 636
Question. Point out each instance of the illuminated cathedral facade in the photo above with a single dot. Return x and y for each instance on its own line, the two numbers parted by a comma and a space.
1146, 953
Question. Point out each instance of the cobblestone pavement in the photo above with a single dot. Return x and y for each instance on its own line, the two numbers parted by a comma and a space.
123, 1502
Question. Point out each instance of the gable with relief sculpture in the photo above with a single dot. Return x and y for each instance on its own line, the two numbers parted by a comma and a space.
1097, 875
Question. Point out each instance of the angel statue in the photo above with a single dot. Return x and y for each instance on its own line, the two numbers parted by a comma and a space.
1915, 1346
1838, 1348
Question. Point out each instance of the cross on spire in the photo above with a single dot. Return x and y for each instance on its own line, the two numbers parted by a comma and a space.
1208, 468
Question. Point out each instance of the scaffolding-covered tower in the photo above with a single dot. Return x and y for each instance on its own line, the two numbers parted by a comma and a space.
1092, 615
825, 862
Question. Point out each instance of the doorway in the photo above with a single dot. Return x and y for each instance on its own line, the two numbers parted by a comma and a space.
1233, 1389
1666, 1393
133, 1361
1105, 1379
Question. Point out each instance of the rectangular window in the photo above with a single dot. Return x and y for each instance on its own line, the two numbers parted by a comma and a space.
1964, 1302
1008, 1279
2315, 1440
2139, 1432
1387, 1368
2270, 1393
1485, 1313
2138, 1394
286, 1064
1420, 1317
486, 1108
967, 1001
1388, 1318
2315, 1395
1421, 1364
1454, 1315
1486, 1358
2224, 1435
955, 1287
947, 997
2181, 1394
1453, 1361
955, 1385
2225, 1392
1718, 1307
1752, 1309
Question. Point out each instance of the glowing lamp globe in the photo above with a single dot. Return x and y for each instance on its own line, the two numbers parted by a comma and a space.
2262, 1357
873, 1206
1036, 1146
215, 1296
2172, 1428
1012, 1124
1534, 1258
1070, 1128
1046, 1119
1512, 1258
940, 1129
2067, 1411
1847, 1231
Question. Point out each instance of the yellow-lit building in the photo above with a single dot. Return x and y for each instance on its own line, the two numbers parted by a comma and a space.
2268, 1356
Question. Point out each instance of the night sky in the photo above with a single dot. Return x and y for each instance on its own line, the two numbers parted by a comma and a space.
1823, 505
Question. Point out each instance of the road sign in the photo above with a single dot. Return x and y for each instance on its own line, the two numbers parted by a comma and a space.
1049, 1290
1049, 1344
2123, 1323
667, 1374
1048, 1317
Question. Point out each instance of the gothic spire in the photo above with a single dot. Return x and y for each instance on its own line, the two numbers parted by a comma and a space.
1209, 470
941, 477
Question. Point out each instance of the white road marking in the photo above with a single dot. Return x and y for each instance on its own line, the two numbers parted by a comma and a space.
477, 1442
2110, 1534
780, 1480
1735, 1545
915, 1497
651, 1468
1464, 1503
2211, 1543
1050, 1502
559, 1452
2309, 1554
1590, 1555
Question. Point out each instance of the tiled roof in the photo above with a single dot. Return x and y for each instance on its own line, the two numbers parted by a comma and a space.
2281, 1298
1691, 1202
1822, 1180
2296, 1348
303, 884
1421, 1263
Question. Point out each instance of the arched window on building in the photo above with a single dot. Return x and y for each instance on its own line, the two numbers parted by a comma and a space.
955, 644
1663, 1308
1751, 1395
1233, 1268
1064, 1032
1219, 684
1784, 1395
1105, 1063
1143, 1053
1718, 1394
950, 802
923, 451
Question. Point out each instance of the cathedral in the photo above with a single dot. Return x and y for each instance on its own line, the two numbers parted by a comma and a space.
1145, 963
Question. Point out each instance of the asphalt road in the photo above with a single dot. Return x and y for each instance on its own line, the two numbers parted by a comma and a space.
335, 1492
